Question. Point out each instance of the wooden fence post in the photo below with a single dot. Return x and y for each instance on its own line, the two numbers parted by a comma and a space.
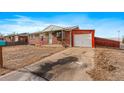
1, 57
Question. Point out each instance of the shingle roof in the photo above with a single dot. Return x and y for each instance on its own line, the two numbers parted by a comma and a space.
70, 28
52, 28
21, 34
39, 32
57, 28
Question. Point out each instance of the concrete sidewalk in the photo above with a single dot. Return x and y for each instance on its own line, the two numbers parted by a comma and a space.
21, 75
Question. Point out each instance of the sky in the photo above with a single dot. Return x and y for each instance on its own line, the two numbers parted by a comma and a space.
105, 24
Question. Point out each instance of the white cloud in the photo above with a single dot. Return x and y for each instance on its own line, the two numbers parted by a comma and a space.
21, 24
26, 24
107, 27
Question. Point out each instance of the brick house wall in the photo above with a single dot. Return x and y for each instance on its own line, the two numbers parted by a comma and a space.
44, 41
67, 38
35, 41
55, 40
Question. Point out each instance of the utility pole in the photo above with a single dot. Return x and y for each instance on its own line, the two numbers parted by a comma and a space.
118, 35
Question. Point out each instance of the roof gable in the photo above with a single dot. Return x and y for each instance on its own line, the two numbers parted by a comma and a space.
57, 28
52, 28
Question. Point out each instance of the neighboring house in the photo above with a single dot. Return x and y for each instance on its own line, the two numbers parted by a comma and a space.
66, 36
1, 38
18, 39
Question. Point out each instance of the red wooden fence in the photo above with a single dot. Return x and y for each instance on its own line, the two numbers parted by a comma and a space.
106, 42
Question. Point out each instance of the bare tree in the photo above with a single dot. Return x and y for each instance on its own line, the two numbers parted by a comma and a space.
1, 34
13, 33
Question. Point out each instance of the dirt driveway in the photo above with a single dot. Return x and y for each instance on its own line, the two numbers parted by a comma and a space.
70, 64
16, 57
82, 64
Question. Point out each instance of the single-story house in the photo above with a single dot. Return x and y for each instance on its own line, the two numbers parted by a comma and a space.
70, 37
62, 36
17, 39
66, 36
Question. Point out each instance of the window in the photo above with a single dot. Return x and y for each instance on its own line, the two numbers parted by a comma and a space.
58, 34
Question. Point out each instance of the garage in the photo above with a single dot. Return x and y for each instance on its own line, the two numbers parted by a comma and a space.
83, 38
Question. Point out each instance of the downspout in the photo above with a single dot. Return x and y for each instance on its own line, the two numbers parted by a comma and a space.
70, 38
63, 43
62, 35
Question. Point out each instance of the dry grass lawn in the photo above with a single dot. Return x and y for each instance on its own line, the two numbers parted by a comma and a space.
16, 57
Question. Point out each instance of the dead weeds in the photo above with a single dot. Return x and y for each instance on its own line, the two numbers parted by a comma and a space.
104, 65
